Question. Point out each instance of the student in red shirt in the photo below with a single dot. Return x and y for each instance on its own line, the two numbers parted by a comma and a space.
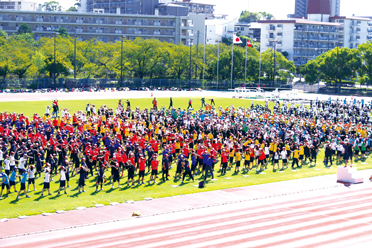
142, 167
224, 160
154, 166
261, 158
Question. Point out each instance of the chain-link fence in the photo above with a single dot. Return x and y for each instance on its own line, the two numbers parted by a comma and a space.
135, 83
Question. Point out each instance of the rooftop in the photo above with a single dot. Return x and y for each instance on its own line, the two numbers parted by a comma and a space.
301, 21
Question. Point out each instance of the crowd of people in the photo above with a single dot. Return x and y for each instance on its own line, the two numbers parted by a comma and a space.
130, 144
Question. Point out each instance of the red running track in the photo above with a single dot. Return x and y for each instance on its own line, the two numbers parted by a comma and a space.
332, 217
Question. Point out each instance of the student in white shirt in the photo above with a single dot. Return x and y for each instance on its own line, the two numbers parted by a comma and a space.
7, 165
62, 180
31, 177
46, 180
284, 158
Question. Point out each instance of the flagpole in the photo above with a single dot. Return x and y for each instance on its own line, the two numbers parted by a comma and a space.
204, 57
259, 74
245, 71
232, 64
218, 60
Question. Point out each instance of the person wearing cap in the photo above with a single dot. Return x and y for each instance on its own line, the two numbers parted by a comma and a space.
142, 168
46, 180
4, 184
100, 176
179, 166
23, 177
154, 167
83, 170
187, 170
62, 180
165, 169
7, 165
31, 177
12, 179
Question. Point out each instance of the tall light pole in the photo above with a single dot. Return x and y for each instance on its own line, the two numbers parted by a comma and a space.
121, 61
275, 41
54, 63
190, 64
75, 58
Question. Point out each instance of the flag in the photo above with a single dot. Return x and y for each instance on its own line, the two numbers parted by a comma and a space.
249, 43
237, 40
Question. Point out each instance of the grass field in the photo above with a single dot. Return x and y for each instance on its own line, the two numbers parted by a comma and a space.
31, 107
10, 207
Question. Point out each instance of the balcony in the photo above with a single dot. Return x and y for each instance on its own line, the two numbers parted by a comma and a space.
270, 36
270, 28
312, 38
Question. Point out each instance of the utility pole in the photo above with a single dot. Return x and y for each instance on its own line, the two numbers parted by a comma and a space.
197, 53
121, 62
190, 65
54, 63
75, 58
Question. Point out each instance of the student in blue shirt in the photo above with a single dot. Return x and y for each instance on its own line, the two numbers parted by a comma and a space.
187, 170
23, 177
12, 179
4, 184
165, 167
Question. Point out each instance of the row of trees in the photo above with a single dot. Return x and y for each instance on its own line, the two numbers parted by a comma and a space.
340, 65
23, 57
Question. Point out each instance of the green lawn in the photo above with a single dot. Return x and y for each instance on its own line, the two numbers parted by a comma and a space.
10, 207
31, 107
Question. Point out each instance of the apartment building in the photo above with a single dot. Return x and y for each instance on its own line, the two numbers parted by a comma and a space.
197, 8
107, 27
353, 30
20, 5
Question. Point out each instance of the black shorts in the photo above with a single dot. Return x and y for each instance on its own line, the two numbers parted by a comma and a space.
284, 161
81, 182
62, 184
67, 177
154, 172
179, 170
246, 162
363, 152
270, 152
224, 165
251, 159
141, 173
177, 150
356, 152
237, 163
23, 186
116, 178
31, 180
99, 180
276, 161
46, 185
193, 167
301, 157
231, 160
11, 183
339, 153
5, 186
333, 152
347, 156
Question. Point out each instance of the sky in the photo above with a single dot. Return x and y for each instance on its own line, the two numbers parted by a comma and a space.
280, 9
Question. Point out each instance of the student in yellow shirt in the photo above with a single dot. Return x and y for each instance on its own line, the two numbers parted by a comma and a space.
238, 157
295, 157
232, 154
247, 159
301, 153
